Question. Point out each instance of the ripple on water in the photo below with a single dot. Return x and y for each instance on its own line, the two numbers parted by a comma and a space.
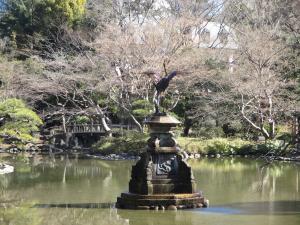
256, 208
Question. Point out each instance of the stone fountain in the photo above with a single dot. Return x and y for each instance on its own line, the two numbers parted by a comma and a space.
161, 179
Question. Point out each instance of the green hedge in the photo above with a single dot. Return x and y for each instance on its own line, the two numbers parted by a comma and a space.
232, 146
222, 146
20, 121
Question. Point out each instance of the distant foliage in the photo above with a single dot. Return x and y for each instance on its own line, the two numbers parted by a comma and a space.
19, 121
73, 10
82, 119
141, 108
28, 21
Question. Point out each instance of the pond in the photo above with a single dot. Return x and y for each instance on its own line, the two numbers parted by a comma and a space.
54, 191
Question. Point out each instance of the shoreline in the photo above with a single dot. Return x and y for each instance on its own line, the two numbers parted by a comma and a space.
90, 154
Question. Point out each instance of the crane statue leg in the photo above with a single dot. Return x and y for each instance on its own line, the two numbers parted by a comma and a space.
156, 101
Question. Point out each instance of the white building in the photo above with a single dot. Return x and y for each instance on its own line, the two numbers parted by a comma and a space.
214, 35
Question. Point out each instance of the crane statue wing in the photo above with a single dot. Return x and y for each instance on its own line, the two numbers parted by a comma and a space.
160, 86
163, 83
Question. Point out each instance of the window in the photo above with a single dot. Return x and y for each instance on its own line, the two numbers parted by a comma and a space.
204, 36
223, 37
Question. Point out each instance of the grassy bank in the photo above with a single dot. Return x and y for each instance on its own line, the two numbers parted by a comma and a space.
223, 146
134, 143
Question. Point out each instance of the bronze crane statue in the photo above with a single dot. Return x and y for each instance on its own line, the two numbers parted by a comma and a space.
161, 85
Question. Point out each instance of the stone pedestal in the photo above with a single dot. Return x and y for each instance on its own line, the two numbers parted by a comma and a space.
161, 178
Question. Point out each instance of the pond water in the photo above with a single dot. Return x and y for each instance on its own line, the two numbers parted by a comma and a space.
63, 191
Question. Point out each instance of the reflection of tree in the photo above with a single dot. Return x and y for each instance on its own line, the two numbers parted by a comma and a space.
81, 216
158, 217
15, 212
268, 174
21, 215
4, 181
51, 169
224, 165
244, 180
64, 177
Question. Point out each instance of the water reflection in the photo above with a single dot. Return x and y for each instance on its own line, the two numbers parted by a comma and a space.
73, 216
79, 191
108, 205
270, 207
254, 208
157, 217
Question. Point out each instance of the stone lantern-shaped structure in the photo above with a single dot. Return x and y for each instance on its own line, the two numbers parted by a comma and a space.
161, 179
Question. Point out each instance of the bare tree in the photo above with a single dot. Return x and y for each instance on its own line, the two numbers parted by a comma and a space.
65, 87
263, 60
146, 39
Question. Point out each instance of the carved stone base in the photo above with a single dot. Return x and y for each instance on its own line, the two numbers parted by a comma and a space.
161, 181
161, 201
161, 173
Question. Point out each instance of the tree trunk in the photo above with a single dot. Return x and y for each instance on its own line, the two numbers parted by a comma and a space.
103, 120
272, 129
187, 126
137, 123
260, 127
64, 123
67, 135
186, 131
